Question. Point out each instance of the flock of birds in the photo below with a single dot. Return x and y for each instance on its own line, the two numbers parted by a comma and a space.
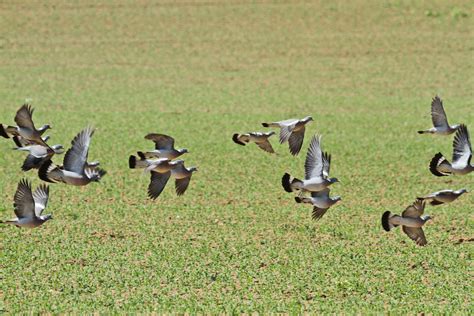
317, 166
162, 163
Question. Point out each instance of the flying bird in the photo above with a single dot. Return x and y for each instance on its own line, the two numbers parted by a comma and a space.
38, 154
164, 147
29, 206
75, 170
260, 139
321, 202
25, 132
291, 130
26, 128
440, 120
316, 166
159, 180
462, 155
411, 220
443, 196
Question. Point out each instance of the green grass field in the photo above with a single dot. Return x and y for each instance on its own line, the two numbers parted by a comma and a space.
236, 242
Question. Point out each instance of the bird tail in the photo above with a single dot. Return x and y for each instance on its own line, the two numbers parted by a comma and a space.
132, 162
298, 199
386, 221
290, 183
45, 171
95, 174
236, 140
423, 132
3, 133
270, 125
437, 161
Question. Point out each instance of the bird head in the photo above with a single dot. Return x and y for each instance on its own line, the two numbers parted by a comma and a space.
45, 127
46, 217
58, 149
333, 180
183, 151
308, 119
193, 169
426, 218
462, 191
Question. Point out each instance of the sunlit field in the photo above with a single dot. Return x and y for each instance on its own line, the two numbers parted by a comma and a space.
236, 242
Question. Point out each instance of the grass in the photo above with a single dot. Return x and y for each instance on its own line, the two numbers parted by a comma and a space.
236, 242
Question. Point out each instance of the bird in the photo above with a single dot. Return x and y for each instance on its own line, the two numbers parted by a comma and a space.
462, 155
321, 202
291, 130
440, 120
443, 196
182, 175
160, 165
38, 154
260, 139
164, 147
29, 206
75, 170
26, 128
317, 167
411, 220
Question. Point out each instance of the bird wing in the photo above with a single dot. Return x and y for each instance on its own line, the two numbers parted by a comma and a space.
24, 203
318, 213
23, 117
285, 132
326, 164
161, 141
40, 197
462, 150
76, 156
296, 141
181, 185
265, 145
438, 116
314, 163
414, 210
416, 234
32, 162
157, 183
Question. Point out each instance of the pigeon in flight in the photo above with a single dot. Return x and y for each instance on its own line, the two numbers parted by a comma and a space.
164, 147
159, 180
321, 202
75, 170
443, 196
29, 206
440, 120
38, 154
316, 167
182, 177
26, 128
291, 130
411, 221
462, 155
260, 139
